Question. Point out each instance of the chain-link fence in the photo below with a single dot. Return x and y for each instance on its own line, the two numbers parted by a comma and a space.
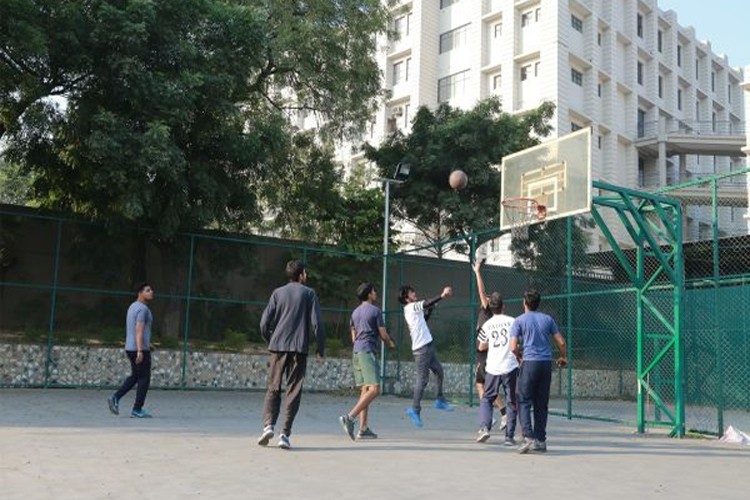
67, 282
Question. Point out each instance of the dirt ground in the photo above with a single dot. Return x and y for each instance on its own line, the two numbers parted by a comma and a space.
65, 444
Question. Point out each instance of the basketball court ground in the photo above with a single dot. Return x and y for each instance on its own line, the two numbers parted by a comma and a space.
65, 444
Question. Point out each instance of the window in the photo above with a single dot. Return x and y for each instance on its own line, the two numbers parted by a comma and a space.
401, 25
641, 123
536, 69
577, 23
639, 73
401, 71
406, 115
574, 126
713, 122
639, 25
599, 141
641, 172
526, 19
661, 86
729, 93
713, 81
679, 99
454, 38
451, 86
576, 76
697, 110
537, 14
599, 39
525, 70
447, 3
679, 56
599, 90
497, 30
497, 81
697, 65
659, 40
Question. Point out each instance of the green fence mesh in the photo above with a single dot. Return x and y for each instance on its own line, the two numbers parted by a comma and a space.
67, 282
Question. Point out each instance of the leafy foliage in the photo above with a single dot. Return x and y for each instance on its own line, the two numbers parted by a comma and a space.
447, 139
172, 114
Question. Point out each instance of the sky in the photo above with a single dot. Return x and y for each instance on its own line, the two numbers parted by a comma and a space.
722, 22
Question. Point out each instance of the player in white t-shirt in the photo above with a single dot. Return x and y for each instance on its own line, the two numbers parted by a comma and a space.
416, 313
501, 368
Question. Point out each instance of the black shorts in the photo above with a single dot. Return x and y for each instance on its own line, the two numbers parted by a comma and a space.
479, 368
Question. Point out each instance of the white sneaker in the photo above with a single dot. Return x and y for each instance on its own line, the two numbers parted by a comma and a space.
266, 436
503, 423
284, 442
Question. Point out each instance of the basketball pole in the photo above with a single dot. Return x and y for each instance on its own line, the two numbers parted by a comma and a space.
399, 177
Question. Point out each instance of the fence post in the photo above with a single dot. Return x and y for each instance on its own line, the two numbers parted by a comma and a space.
53, 304
569, 312
186, 331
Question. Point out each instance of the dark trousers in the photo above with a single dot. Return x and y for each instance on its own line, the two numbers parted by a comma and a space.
533, 390
292, 367
140, 373
492, 385
425, 360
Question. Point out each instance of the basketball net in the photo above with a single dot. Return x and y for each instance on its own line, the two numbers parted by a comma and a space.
521, 213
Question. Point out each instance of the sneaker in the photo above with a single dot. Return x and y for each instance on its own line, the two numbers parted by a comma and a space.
266, 436
540, 446
414, 416
366, 434
503, 423
483, 435
114, 405
142, 413
509, 441
444, 405
284, 443
526, 446
348, 425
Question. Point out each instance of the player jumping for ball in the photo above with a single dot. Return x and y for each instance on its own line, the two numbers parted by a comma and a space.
416, 313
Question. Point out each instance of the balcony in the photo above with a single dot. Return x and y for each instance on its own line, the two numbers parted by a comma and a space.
720, 138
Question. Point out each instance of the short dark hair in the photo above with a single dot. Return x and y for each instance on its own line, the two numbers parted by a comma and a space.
496, 303
403, 293
364, 290
294, 269
532, 299
143, 286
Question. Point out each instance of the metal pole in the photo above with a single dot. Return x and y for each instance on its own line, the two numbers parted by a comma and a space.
384, 290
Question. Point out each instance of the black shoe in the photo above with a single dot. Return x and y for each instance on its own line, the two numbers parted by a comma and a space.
540, 446
348, 425
366, 434
114, 405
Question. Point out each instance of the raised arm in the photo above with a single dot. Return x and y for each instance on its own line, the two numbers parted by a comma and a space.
480, 284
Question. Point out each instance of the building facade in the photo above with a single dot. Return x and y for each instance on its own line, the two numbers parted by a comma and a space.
662, 106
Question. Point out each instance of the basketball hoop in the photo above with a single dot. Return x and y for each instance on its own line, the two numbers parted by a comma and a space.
521, 213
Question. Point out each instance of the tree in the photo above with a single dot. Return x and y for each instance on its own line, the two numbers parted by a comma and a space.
546, 250
172, 114
447, 139
15, 186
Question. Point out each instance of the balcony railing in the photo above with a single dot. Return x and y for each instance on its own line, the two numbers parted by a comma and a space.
692, 127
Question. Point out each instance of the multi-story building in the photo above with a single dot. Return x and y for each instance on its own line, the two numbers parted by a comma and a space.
662, 106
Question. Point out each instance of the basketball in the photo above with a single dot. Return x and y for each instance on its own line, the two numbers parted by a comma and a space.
458, 179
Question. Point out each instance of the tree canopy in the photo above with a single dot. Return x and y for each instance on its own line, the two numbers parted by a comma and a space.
172, 114
448, 139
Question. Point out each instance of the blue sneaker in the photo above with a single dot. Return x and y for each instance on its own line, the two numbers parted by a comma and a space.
414, 416
114, 405
444, 405
142, 413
